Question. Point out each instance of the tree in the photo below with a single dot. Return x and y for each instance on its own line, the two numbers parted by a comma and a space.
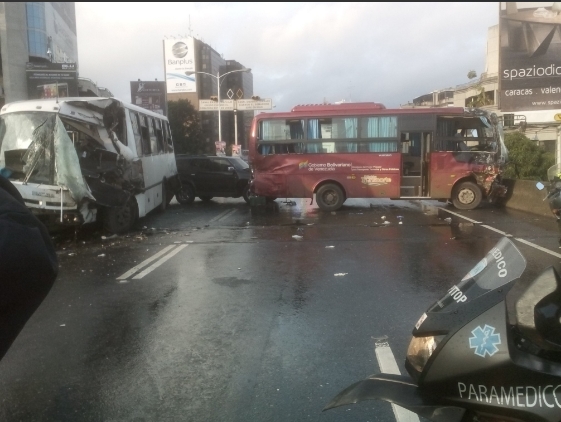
482, 98
185, 124
526, 160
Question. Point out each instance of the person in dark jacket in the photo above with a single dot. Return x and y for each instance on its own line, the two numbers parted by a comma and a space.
28, 264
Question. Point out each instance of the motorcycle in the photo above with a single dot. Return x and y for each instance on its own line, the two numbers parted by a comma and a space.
553, 193
488, 350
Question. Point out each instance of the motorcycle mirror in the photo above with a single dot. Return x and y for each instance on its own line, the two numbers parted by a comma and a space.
540, 185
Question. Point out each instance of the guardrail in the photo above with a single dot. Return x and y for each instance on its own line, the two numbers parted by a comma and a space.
523, 195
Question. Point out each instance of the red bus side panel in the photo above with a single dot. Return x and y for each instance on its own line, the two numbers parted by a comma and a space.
297, 176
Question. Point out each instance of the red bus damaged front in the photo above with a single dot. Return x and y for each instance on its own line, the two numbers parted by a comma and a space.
294, 176
448, 168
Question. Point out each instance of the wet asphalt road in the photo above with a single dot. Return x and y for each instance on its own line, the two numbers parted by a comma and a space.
244, 322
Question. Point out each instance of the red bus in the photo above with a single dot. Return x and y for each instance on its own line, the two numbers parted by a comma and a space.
363, 150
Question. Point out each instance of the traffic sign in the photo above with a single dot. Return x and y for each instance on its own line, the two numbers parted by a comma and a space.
249, 104
209, 105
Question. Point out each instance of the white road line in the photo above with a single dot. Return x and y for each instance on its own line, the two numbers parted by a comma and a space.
159, 262
388, 365
533, 245
144, 263
223, 214
460, 215
496, 230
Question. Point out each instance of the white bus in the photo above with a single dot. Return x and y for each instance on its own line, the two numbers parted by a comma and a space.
80, 160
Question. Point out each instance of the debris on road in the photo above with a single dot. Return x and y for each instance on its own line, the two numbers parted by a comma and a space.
448, 220
297, 237
101, 255
383, 217
72, 254
387, 223
109, 237
340, 274
329, 247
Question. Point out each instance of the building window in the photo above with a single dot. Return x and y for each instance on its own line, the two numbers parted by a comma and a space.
36, 29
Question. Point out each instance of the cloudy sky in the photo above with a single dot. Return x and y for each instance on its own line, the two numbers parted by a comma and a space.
299, 53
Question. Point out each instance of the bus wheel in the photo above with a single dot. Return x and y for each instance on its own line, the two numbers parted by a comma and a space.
162, 207
466, 196
330, 197
186, 194
119, 220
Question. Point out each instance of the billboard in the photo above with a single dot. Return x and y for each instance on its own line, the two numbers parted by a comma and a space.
51, 80
179, 57
150, 95
529, 56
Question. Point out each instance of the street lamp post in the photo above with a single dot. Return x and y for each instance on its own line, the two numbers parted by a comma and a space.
218, 77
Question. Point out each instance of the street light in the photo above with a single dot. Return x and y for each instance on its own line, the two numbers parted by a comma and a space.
218, 77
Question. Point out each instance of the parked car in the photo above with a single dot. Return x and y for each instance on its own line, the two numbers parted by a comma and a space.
208, 177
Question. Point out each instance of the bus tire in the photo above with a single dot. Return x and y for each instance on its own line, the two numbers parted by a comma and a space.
186, 194
205, 198
162, 207
466, 196
118, 220
330, 197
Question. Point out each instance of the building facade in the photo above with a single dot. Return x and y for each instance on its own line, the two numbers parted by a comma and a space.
238, 84
521, 76
39, 52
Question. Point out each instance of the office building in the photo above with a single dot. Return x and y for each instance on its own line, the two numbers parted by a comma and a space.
182, 83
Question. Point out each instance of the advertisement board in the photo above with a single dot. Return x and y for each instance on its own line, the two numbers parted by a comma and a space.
179, 57
150, 95
529, 56
51, 80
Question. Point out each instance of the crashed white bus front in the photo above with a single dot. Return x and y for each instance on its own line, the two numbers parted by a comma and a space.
75, 161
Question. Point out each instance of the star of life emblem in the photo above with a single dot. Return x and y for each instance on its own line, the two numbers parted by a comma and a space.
485, 341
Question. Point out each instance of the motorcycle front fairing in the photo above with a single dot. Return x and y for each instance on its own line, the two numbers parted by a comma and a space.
481, 290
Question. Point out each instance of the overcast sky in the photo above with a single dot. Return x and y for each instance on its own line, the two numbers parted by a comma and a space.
299, 53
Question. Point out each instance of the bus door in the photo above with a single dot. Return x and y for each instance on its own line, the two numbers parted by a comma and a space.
415, 153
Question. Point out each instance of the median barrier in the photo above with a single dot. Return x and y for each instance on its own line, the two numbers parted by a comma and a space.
523, 195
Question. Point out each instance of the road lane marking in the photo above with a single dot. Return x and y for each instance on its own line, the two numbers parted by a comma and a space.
460, 215
496, 230
222, 215
144, 263
388, 365
533, 245
159, 262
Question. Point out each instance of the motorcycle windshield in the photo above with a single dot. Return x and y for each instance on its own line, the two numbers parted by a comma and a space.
554, 173
502, 264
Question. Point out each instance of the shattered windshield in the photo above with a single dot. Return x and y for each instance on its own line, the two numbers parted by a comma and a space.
16, 136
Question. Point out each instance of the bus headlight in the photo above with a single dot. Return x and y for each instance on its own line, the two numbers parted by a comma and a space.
421, 349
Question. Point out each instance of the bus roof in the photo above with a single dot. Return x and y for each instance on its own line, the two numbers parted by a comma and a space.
306, 108
54, 104
316, 111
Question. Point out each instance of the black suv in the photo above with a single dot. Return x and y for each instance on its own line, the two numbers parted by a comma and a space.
209, 177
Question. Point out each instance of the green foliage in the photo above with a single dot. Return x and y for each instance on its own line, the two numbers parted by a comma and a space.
526, 160
481, 99
185, 124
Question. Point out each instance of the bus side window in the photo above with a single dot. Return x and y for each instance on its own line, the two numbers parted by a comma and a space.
146, 149
167, 137
152, 135
136, 132
159, 135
